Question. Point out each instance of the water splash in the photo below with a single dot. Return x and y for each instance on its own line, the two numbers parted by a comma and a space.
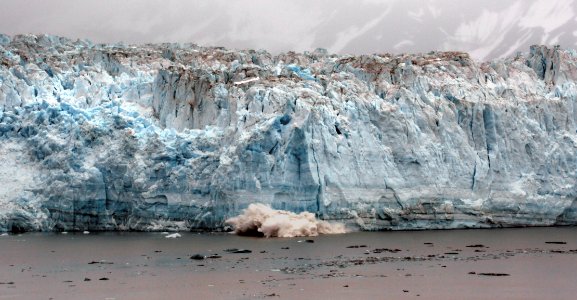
262, 220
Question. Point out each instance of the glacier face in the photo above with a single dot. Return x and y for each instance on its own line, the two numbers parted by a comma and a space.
165, 136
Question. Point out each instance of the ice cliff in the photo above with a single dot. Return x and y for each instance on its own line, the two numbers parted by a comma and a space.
165, 136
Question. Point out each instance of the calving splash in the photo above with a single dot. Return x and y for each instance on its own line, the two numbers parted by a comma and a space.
262, 220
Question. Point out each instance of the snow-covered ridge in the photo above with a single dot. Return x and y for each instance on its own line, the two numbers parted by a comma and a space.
157, 137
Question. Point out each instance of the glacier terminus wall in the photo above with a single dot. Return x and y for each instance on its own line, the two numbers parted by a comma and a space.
168, 136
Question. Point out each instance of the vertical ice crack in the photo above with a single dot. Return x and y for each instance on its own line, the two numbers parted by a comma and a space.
319, 191
474, 174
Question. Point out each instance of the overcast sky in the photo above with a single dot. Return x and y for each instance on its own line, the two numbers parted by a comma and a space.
485, 28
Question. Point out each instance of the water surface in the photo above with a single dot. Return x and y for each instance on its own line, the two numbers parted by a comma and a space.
534, 263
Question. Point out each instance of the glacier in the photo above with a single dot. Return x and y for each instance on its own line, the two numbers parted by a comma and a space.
182, 137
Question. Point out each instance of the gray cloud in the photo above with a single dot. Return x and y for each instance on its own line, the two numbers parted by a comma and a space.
487, 29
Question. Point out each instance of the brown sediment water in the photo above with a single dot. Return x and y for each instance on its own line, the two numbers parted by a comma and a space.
527, 263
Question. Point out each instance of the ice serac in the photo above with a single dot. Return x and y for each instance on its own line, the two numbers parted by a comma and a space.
166, 136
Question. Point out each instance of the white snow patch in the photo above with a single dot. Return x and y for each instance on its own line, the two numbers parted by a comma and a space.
403, 43
548, 14
261, 219
484, 34
347, 36
434, 10
417, 15
247, 80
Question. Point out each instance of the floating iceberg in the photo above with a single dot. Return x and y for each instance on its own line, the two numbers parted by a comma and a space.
173, 236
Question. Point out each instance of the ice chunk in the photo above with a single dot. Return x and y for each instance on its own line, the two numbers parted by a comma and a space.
302, 73
173, 236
